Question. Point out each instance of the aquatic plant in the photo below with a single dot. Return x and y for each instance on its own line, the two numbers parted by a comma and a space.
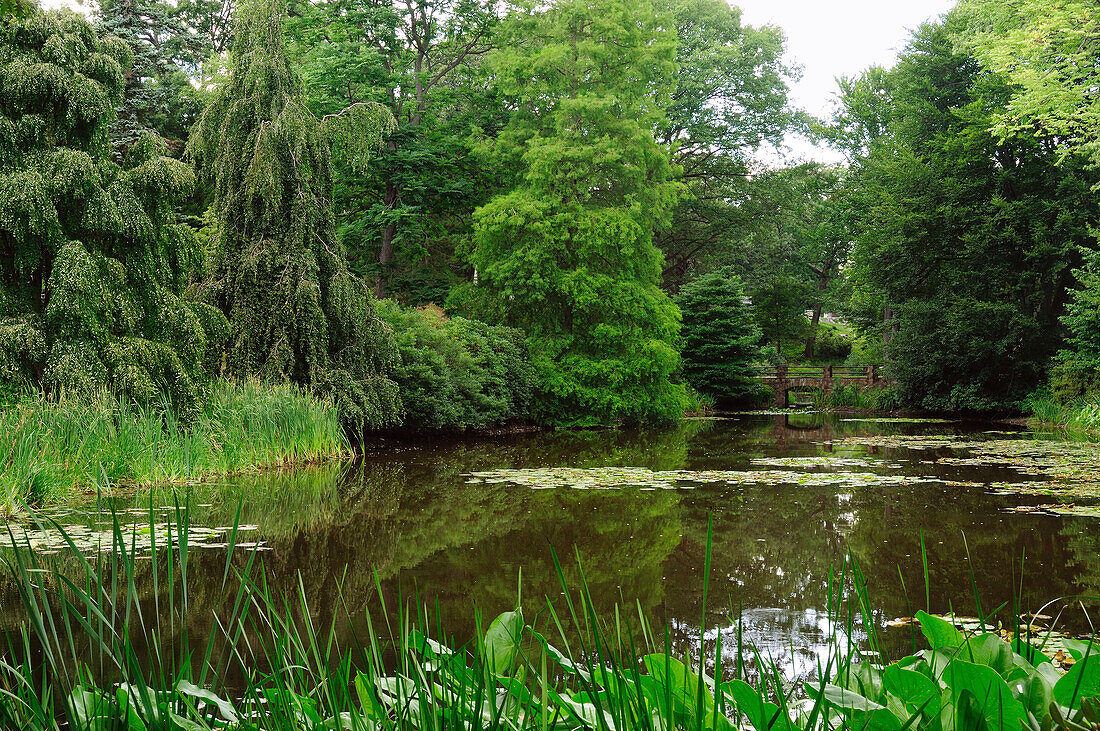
59, 448
96, 653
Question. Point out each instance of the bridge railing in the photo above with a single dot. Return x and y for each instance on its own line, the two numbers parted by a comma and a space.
786, 372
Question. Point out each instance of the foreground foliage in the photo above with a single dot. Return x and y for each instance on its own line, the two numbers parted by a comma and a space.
294, 673
57, 448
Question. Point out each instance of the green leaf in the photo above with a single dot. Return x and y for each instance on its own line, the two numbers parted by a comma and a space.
750, 702
939, 632
90, 711
917, 691
225, 708
502, 642
998, 706
1082, 681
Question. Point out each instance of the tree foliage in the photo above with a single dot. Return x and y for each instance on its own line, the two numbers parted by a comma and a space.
456, 373
965, 241
280, 275
570, 250
1049, 51
730, 98
720, 338
93, 262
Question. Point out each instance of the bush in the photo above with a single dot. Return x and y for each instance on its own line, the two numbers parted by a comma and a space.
831, 344
1073, 380
456, 373
720, 338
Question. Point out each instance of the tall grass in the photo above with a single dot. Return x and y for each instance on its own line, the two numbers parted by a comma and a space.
96, 654
1079, 416
53, 448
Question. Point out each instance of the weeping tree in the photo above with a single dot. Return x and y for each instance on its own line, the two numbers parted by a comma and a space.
280, 275
93, 262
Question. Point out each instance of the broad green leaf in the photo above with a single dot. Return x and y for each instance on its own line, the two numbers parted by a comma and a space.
225, 708
1031, 688
939, 632
762, 714
1082, 681
989, 650
502, 642
90, 711
1079, 649
862, 712
917, 691
994, 699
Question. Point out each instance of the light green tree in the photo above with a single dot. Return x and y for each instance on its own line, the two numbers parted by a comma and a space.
1049, 51
93, 262
569, 253
280, 275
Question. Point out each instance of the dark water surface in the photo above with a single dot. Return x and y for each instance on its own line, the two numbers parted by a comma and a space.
411, 513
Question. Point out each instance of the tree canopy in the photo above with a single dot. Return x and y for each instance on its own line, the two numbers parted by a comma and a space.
93, 261
279, 273
570, 248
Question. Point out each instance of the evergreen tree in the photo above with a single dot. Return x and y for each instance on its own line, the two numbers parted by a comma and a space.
150, 30
569, 252
280, 275
92, 260
720, 337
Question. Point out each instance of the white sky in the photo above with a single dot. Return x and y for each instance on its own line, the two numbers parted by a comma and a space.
831, 38
827, 38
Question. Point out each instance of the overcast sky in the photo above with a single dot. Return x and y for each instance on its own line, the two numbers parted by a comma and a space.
827, 38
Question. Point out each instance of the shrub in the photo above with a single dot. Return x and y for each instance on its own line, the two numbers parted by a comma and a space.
456, 373
831, 344
719, 338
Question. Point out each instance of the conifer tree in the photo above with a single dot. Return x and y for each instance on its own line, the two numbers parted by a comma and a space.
720, 336
144, 26
280, 276
569, 252
92, 260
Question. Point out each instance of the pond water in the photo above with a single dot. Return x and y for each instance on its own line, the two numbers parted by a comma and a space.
791, 496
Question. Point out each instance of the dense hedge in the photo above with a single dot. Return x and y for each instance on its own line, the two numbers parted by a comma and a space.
456, 373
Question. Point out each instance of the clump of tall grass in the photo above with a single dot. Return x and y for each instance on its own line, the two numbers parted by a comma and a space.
1081, 416
56, 447
97, 654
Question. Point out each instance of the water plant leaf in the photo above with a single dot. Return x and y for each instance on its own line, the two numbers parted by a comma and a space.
1082, 681
939, 632
763, 715
997, 705
917, 691
502, 641
862, 712
225, 708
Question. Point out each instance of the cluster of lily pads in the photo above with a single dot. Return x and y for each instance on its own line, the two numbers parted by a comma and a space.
138, 539
602, 478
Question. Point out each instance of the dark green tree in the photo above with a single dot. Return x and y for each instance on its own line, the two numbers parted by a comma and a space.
720, 338
92, 260
151, 95
730, 98
280, 275
569, 253
965, 243
402, 217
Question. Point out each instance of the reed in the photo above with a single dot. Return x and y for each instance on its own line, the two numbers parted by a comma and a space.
55, 448
96, 654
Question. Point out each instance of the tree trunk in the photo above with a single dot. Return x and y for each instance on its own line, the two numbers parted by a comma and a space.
385, 253
811, 341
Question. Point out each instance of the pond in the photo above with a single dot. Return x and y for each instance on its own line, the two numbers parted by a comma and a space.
455, 522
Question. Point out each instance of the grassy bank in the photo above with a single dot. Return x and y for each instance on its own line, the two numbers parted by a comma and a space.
271, 667
56, 448
1078, 416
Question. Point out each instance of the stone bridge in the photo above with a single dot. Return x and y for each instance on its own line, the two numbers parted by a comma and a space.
784, 379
